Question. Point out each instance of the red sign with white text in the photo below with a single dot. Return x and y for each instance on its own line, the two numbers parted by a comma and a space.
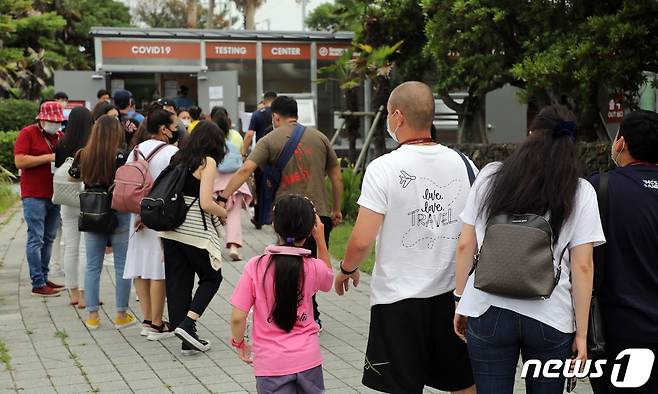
231, 50
615, 109
327, 51
151, 49
285, 51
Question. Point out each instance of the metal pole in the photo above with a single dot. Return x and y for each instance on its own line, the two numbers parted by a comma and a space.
338, 130
366, 143
367, 102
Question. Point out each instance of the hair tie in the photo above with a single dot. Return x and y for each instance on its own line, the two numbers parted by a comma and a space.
567, 128
290, 240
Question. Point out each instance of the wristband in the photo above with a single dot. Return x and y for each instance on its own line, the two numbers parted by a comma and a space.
346, 272
237, 345
222, 199
456, 296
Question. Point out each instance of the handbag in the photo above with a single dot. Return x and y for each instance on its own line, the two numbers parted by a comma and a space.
96, 214
595, 332
66, 191
516, 257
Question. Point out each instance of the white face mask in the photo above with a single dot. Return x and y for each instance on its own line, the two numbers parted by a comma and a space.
616, 157
51, 127
388, 128
186, 122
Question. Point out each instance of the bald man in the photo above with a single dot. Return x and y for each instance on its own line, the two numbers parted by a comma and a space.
410, 203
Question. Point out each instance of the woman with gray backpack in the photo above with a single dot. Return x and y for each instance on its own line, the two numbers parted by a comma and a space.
524, 259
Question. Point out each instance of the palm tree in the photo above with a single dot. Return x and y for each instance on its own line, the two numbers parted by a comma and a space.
248, 9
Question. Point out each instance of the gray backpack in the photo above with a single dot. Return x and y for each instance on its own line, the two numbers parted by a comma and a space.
516, 257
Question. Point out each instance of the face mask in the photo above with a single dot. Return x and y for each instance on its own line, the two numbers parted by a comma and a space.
388, 128
174, 136
615, 158
51, 127
186, 122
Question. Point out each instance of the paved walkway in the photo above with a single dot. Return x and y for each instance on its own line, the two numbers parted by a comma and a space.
50, 350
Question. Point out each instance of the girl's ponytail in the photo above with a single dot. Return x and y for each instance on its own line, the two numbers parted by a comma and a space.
293, 220
288, 289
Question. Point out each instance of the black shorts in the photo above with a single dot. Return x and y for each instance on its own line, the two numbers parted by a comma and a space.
412, 344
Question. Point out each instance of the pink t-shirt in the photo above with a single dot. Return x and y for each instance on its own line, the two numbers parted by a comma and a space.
274, 351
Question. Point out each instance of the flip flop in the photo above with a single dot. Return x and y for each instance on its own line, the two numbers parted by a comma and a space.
73, 303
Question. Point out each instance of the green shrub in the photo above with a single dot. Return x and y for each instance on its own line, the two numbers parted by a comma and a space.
16, 114
351, 191
7, 139
8, 195
593, 156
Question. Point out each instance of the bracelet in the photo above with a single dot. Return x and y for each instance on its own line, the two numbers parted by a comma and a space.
456, 296
346, 272
238, 345
222, 199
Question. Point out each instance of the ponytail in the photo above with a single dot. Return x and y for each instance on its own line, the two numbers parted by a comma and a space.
288, 289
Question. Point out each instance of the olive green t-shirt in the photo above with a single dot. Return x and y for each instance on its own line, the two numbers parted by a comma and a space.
305, 172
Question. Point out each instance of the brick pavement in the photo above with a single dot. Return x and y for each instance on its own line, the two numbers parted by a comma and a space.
52, 351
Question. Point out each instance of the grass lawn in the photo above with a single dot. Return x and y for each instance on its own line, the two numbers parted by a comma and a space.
338, 243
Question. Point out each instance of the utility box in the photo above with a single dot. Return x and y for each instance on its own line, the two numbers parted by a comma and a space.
506, 116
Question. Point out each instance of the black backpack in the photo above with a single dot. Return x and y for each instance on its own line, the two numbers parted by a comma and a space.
164, 209
96, 214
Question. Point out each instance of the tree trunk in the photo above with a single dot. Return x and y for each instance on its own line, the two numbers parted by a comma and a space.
191, 14
352, 123
250, 15
211, 14
589, 118
472, 126
381, 91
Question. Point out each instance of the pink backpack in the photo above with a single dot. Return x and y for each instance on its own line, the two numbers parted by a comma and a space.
132, 182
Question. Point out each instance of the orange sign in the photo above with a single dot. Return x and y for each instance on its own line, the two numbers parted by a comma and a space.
151, 49
327, 51
284, 51
230, 50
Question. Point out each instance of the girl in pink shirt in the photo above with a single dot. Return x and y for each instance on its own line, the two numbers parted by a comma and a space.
279, 285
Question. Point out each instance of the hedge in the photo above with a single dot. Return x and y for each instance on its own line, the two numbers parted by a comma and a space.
16, 114
7, 139
593, 156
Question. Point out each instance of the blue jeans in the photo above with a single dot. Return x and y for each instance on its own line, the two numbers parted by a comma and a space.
495, 340
96, 243
42, 219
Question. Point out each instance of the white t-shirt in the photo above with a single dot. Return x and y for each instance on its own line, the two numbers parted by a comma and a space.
420, 190
582, 227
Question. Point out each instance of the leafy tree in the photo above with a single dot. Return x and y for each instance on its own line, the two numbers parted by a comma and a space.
177, 14
387, 44
606, 49
42, 35
571, 52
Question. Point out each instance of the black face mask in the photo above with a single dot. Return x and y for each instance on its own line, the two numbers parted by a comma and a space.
174, 136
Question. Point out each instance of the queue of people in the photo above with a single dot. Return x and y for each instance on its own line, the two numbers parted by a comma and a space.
472, 270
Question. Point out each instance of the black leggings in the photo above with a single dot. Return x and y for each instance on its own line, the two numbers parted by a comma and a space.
181, 263
310, 245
